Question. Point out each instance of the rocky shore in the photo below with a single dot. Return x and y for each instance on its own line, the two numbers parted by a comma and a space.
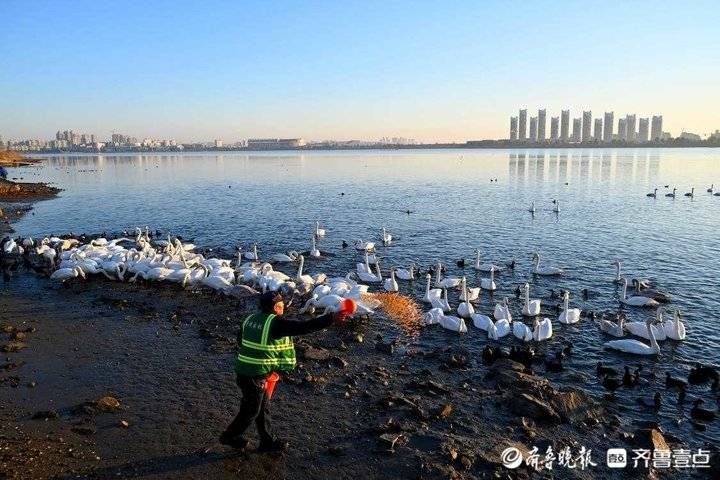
16, 200
106, 379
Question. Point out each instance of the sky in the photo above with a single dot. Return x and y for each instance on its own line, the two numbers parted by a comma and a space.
432, 71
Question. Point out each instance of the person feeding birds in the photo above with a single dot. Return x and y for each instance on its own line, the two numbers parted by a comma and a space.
265, 348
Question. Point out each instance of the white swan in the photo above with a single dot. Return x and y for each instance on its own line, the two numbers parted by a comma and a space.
569, 315
502, 310
675, 328
543, 329
386, 237
319, 232
546, 271
498, 329
636, 300
618, 280
403, 274
465, 309
531, 307
481, 321
63, 274
252, 255
522, 331
447, 282
303, 278
364, 246
468, 294
283, 258
441, 302
453, 323
364, 267
391, 284
640, 330
612, 328
489, 283
635, 346
484, 267
370, 277
314, 252
433, 316
430, 293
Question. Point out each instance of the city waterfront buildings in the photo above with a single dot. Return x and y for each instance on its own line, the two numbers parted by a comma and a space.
577, 130
630, 123
522, 133
597, 130
656, 128
608, 123
622, 129
586, 126
554, 124
643, 130
533, 129
513, 128
541, 125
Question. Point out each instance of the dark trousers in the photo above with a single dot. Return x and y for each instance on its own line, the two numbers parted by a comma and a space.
254, 406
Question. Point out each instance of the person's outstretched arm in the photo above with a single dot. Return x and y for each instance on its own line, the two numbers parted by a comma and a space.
282, 327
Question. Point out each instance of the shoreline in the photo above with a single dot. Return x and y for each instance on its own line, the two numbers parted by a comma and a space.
373, 400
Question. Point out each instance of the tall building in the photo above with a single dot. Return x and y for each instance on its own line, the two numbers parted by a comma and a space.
656, 128
533, 129
554, 124
541, 125
522, 133
597, 130
513, 128
622, 129
564, 125
586, 126
643, 130
630, 124
609, 121
576, 131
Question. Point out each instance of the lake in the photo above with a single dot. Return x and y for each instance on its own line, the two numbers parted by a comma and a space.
225, 200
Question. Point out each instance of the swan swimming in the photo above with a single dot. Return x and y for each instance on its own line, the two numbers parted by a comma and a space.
430, 293
522, 331
635, 346
612, 328
441, 302
447, 282
484, 267
468, 294
675, 328
403, 274
636, 301
465, 309
386, 237
502, 310
489, 283
546, 271
319, 232
542, 329
391, 284
481, 321
314, 252
499, 329
569, 315
531, 307
640, 330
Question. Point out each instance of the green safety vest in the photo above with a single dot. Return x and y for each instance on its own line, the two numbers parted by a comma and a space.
259, 355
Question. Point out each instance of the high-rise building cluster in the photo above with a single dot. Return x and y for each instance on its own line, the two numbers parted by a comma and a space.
586, 129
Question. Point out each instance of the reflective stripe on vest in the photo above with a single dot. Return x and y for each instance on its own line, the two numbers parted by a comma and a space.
260, 355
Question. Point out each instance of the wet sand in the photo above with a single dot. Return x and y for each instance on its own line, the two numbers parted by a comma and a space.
16, 200
166, 355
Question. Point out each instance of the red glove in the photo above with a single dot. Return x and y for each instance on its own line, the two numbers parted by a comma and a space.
347, 308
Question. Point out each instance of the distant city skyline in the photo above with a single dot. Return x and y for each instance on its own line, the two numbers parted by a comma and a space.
435, 72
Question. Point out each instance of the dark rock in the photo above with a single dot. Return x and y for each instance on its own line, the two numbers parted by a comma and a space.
338, 362
108, 404
651, 438
575, 406
391, 440
387, 348
45, 415
313, 353
527, 405
444, 411
12, 347
84, 430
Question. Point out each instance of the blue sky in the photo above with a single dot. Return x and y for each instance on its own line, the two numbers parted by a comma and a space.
434, 71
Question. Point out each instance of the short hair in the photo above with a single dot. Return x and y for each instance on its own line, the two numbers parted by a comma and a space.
268, 300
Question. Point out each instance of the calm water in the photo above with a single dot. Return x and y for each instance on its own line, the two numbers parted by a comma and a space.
226, 200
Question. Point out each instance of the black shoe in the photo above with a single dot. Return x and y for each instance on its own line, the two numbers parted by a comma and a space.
238, 443
274, 445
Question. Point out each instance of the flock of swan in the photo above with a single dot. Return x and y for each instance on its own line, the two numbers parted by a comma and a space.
690, 194
171, 260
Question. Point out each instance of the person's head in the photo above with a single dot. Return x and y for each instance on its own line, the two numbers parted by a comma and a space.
272, 302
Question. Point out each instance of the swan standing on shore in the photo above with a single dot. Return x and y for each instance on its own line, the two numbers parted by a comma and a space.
545, 271
63, 274
636, 301
303, 278
531, 307
635, 346
569, 315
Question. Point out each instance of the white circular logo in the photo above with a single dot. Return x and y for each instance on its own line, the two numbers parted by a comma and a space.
511, 457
